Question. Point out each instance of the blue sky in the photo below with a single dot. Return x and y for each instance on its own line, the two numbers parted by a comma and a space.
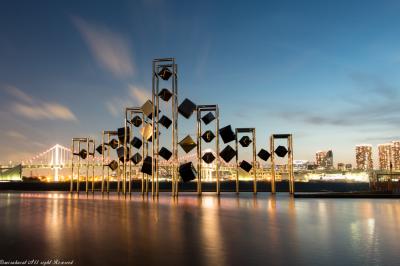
326, 71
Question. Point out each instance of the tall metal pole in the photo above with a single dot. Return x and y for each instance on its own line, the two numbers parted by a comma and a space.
79, 165
272, 148
108, 161
237, 161
72, 167
87, 166
254, 162
93, 163
102, 162
175, 127
290, 157
125, 153
153, 130
198, 152
130, 163
217, 151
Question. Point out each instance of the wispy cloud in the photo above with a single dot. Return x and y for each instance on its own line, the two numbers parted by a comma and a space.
111, 50
136, 96
18, 94
15, 135
31, 108
139, 95
377, 107
50, 111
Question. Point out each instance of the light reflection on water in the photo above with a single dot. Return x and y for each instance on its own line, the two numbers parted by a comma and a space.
195, 230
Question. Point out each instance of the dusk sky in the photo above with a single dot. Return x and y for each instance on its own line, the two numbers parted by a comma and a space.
326, 71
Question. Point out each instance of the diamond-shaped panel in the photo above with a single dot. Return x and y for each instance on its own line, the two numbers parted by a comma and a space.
187, 144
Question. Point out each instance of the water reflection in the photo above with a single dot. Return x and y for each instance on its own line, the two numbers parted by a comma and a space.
193, 230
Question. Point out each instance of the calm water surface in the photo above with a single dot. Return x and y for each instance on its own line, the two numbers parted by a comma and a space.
229, 230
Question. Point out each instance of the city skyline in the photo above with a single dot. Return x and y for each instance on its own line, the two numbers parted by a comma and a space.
327, 94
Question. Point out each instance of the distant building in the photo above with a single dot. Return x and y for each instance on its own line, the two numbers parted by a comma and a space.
385, 156
299, 165
312, 166
348, 166
324, 159
364, 157
341, 167
396, 155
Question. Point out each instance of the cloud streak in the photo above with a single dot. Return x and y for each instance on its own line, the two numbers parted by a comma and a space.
30, 108
52, 111
110, 49
378, 107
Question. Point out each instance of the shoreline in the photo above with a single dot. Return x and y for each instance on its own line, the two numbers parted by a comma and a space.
225, 186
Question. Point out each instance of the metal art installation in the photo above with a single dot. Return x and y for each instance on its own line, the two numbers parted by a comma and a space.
227, 134
106, 160
187, 144
210, 109
187, 108
82, 154
264, 155
143, 125
187, 172
135, 117
245, 141
281, 151
166, 70
208, 136
227, 153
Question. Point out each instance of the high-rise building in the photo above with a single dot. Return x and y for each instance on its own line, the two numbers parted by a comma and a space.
364, 157
385, 156
396, 155
319, 157
324, 159
340, 166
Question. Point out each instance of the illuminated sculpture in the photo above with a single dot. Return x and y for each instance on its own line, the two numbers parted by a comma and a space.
245, 141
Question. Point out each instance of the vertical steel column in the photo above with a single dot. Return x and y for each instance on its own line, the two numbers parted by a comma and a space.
93, 162
87, 167
130, 163
108, 161
254, 162
72, 167
272, 149
153, 159
102, 161
125, 153
175, 180
291, 171
119, 171
79, 165
237, 162
198, 151
217, 151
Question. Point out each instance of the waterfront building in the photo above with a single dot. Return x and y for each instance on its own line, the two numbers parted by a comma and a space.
385, 156
364, 157
324, 159
341, 166
299, 165
396, 155
349, 166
